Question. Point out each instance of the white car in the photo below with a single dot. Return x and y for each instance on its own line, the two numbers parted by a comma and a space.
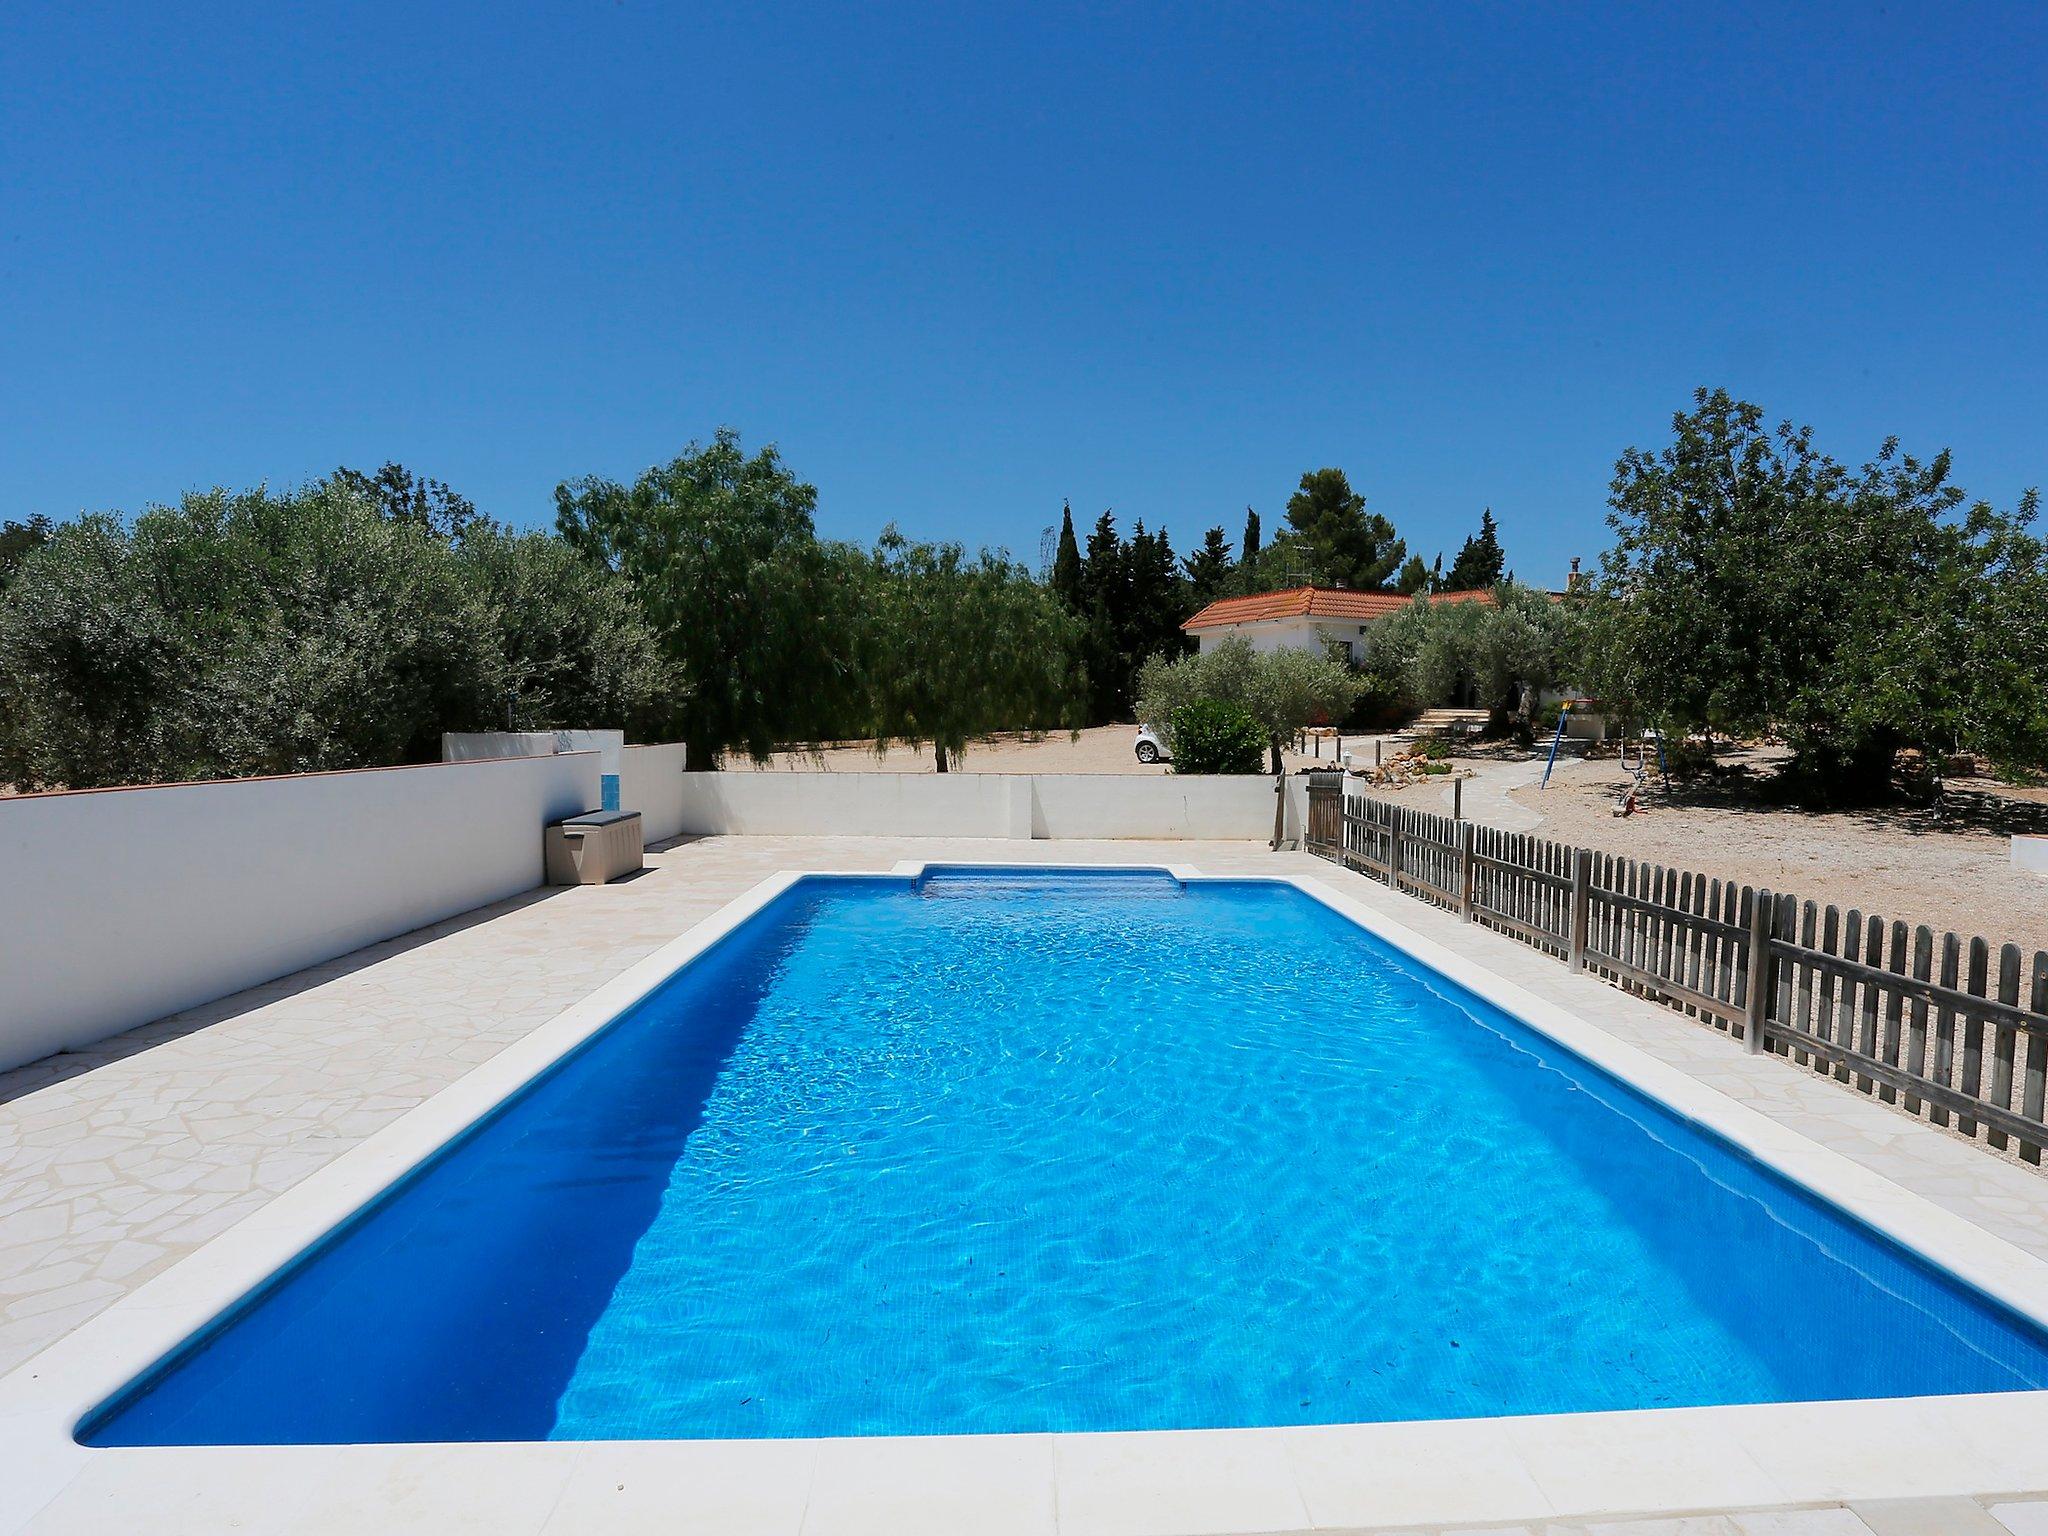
1152, 746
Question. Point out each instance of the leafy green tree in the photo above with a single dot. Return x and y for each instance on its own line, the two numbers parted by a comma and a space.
93, 667
1134, 602
722, 552
238, 633
1214, 736
1158, 598
1105, 586
1285, 690
575, 650
2006, 664
1414, 577
405, 497
1436, 652
1480, 565
1066, 565
1291, 561
1209, 570
1756, 585
956, 649
18, 540
1356, 548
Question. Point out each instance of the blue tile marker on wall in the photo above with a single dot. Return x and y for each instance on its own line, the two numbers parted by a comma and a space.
609, 791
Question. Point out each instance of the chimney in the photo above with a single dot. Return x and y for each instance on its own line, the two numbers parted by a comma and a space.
1571, 583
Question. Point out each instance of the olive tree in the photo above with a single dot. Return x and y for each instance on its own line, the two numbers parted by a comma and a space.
1431, 651
1285, 690
276, 632
573, 648
237, 633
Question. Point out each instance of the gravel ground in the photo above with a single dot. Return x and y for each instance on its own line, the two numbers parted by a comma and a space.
1950, 868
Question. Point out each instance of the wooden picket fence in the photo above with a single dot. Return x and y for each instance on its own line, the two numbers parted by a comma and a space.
1940, 1026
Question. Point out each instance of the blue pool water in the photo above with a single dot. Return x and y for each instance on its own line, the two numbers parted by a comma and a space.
1004, 1151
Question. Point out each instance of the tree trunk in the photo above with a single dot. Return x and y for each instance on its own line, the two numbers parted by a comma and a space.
699, 756
1827, 773
939, 754
1278, 766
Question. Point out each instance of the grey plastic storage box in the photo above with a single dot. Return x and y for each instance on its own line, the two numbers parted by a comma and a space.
593, 848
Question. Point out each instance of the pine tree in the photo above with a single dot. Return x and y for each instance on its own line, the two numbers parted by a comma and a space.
1208, 569
1066, 565
1480, 564
1350, 545
1158, 600
1413, 578
1105, 588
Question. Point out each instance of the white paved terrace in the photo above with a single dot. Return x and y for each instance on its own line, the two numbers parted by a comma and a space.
116, 1162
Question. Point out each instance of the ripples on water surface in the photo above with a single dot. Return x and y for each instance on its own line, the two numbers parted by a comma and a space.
1036, 1151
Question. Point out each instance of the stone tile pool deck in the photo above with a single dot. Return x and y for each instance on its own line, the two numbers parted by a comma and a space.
118, 1161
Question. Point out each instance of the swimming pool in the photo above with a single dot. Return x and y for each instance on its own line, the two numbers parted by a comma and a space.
1000, 1151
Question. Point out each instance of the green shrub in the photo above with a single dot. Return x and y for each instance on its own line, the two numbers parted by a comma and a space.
1436, 749
1209, 736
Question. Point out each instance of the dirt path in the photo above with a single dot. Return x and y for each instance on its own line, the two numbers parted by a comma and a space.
1102, 749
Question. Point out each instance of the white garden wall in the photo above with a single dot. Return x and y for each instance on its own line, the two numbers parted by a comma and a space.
651, 782
1169, 806
635, 778
120, 906
1006, 805
858, 804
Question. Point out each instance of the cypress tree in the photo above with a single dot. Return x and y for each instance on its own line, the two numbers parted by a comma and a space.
1066, 565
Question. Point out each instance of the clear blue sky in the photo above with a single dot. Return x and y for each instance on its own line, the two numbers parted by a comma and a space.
963, 263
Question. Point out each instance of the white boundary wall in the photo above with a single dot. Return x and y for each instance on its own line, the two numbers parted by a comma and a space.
651, 782
1006, 805
121, 906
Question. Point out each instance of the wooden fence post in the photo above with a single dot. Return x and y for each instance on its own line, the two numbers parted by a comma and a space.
1582, 885
1457, 799
1757, 973
1465, 870
1394, 848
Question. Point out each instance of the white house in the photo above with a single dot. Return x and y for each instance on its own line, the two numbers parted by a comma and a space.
1304, 618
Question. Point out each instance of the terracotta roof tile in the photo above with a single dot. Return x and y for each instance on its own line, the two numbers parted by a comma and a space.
1313, 603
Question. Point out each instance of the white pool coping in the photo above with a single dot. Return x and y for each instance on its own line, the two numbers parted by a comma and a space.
1171, 1482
